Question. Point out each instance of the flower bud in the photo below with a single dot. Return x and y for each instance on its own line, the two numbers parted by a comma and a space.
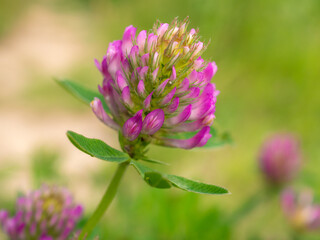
280, 159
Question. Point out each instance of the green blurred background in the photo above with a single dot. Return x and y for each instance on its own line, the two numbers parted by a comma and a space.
267, 52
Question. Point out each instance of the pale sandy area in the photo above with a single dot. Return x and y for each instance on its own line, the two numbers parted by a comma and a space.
45, 43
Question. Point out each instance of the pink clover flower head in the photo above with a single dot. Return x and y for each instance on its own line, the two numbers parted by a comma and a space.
160, 76
47, 213
301, 212
280, 158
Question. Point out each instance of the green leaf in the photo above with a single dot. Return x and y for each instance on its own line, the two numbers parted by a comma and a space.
44, 166
193, 186
156, 179
160, 180
150, 176
82, 93
97, 148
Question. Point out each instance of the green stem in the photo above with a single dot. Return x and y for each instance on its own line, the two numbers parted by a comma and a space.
295, 235
105, 201
245, 208
248, 206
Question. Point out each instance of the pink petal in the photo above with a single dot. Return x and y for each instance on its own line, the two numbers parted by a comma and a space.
132, 127
141, 40
198, 140
141, 88
162, 29
154, 74
168, 97
134, 53
126, 97
145, 59
152, 41
121, 81
173, 74
128, 37
147, 101
181, 117
153, 122
161, 87
173, 106
183, 86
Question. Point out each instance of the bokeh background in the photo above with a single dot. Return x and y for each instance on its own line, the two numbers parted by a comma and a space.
267, 52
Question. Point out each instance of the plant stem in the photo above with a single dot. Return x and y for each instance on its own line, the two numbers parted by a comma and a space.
251, 203
105, 201
295, 235
245, 208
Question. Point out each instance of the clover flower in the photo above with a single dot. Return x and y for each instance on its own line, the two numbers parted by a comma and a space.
48, 213
301, 212
157, 85
280, 159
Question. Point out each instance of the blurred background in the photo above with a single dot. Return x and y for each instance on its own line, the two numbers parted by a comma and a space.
268, 56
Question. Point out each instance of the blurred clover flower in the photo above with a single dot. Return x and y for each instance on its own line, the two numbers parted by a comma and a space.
301, 212
157, 85
280, 159
48, 213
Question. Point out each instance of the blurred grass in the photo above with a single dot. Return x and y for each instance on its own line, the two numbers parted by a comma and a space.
44, 167
268, 58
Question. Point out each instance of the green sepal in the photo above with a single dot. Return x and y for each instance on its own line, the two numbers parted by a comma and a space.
97, 148
82, 93
159, 180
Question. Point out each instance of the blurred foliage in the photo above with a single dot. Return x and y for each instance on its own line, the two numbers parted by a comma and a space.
9, 13
181, 218
44, 167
